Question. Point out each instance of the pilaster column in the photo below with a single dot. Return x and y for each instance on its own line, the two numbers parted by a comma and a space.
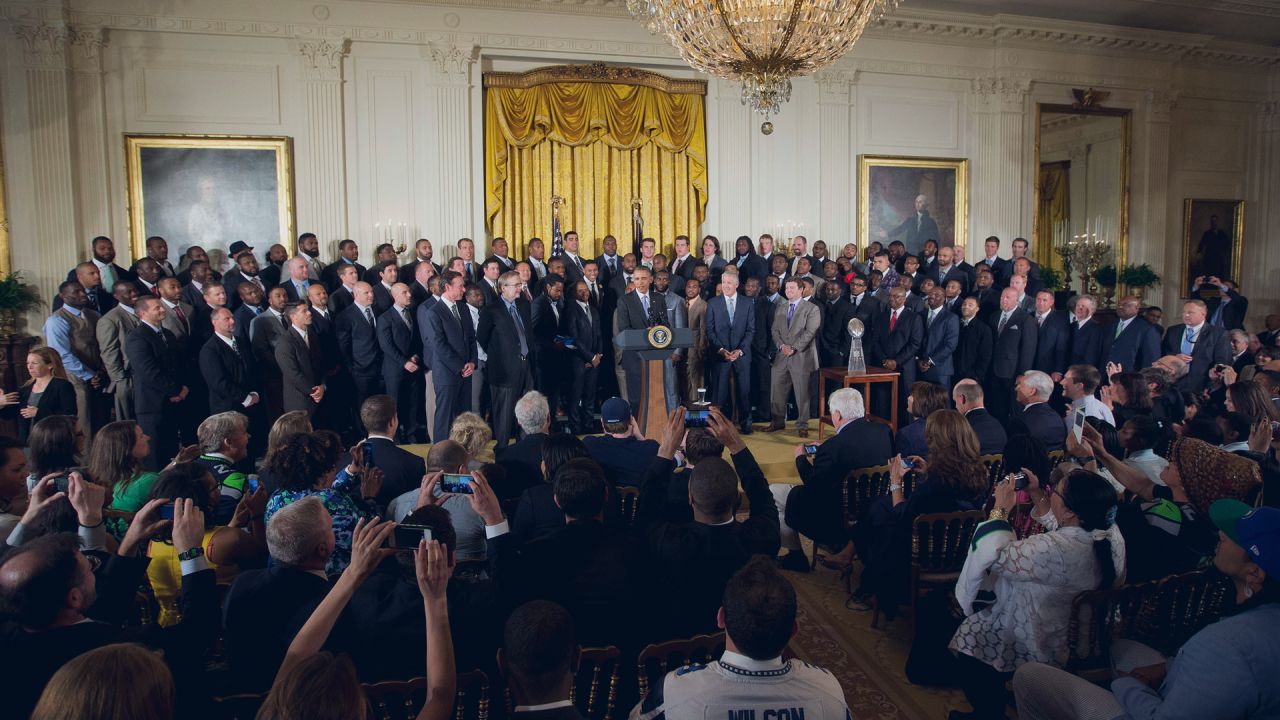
447, 213
996, 183
1155, 235
837, 206
89, 135
322, 161
1260, 252
43, 236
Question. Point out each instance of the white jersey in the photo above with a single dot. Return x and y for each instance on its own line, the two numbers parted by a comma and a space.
765, 690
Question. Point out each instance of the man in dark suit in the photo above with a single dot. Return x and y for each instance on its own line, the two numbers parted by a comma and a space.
225, 365
357, 332
581, 321
609, 262
731, 327
968, 397
622, 451
762, 351
1053, 337
946, 269
301, 367
833, 341
572, 259
1134, 343
158, 385
1037, 418
453, 352
420, 285
399, 342
501, 251
249, 308
273, 270
973, 350
1013, 354
1228, 308
422, 256
896, 338
344, 295
814, 507
1088, 340
999, 267
99, 299
401, 470
749, 264
490, 270
941, 336
866, 307
504, 333
104, 258
683, 263
245, 271
550, 376
523, 459
348, 253
1197, 343
985, 290
296, 283
265, 332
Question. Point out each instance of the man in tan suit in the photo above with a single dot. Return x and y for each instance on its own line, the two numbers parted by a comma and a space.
696, 311
795, 328
112, 329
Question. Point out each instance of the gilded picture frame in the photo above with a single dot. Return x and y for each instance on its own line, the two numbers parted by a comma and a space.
210, 190
888, 189
1212, 239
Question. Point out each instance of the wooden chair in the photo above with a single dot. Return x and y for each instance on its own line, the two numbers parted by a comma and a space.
628, 503
939, 546
595, 663
237, 707
395, 699
995, 468
1162, 613
657, 659
1056, 457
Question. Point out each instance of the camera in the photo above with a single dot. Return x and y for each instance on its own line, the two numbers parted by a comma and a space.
1019, 481
696, 418
456, 483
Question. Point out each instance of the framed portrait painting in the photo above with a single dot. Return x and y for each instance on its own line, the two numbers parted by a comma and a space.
1211, 239
912, 199
210, 190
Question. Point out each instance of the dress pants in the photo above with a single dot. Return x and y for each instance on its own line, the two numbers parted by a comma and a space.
504, 405
790, 374
366, 385
122, 399
741, 371
479, 390
761, 375
429, 406
452, 399
931, 375
551, 376
404, 387
582, 394
162, 427
93, 407
1000, 398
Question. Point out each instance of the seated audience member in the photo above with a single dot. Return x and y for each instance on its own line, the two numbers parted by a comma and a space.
622, 451
1034, 580
55, 446
969, 399
121, 680
225, 547
1225, 670
1251, 400
446, 456
56, 609
1140, 436
758, 615
537, 513
265, 608
699, 444
522, 460
538, 659
924, 399
1203, 426
1235, 429
224, 443
401, 470
312, 683
13, 485
474, 435
1166, 400
294, 422
1037, 418
308, 465
1127, 396
115, 461
46, 394
700, 557
1079, 384
814, 507
952, 479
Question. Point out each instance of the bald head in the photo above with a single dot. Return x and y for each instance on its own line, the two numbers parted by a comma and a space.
363, 293
297, 269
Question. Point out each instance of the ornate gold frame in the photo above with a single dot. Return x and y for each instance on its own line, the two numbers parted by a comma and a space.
1088, 108
595, 73
959, 165
283, 147
6, 261
1237, 241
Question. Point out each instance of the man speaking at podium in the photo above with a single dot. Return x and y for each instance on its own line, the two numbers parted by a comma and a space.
641, 309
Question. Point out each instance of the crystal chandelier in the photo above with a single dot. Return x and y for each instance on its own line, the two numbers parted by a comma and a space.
761, 43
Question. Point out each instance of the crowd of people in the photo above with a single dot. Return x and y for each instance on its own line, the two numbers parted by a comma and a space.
229, 441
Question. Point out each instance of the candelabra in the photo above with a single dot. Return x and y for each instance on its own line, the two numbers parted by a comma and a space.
1086, 252
395, 233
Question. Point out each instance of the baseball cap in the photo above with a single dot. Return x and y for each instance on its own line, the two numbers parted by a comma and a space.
615, 410
1257, 530
238, 247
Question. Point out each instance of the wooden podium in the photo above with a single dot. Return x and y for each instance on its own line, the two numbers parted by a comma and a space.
654, 346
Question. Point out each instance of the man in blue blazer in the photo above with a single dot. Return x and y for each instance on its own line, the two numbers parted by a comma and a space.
1053, 338
730, 327
941, 335
1088, 339
453, 352
1133, 343
401, 366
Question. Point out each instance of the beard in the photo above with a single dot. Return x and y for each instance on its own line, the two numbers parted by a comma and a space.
312, 253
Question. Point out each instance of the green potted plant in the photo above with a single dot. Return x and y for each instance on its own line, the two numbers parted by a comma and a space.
1051, 278
1139, 277
1106, 276
16, 297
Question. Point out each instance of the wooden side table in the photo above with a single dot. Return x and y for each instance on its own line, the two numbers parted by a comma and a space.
873, 376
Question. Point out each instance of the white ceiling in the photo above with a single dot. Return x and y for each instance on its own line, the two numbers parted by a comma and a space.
1248, 21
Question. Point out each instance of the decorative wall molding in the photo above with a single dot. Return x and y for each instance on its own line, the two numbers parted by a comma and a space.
998, 93
44, 46
835, 86
86, 48
322, 59
1160, 105
597, 73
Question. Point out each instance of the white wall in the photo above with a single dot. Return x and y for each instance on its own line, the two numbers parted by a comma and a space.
383, 101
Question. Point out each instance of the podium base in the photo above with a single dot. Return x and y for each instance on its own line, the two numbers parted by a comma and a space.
651, 412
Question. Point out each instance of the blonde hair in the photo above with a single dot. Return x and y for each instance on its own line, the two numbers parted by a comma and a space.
472, 433
123, 680
50, 358
294, 422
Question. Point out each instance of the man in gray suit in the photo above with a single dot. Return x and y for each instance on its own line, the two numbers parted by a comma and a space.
795, 329
111, 330
941, 335
264, 332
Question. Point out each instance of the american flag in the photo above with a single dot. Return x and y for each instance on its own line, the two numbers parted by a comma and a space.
557, 237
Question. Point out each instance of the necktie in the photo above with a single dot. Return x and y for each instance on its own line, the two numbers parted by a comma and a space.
177, 310
644, 302
1120, 327
108, 278
284, 322
932, 314
612, 268
1040, 320
731, 303
515, 318
893, 320
306, 340
368, 315
1004, 318
455, 312
594, 298
577, 261
163, 341
676, 269
791, 313
1189, 341
404, 313
456, 316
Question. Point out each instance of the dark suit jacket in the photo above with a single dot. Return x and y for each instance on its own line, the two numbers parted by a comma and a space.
1212, 347
292, 291
762, 347
1137, 347
1015, 348
940, 341
624, 460
398, 341
606, 275
1088, 345
271, 274
410, 271
358, 342
1233, 314
263, 611
723, 336
401, 470
122, 275
753, 267
156, 372
523, 462
973, 351
324, 327
99, 300
572, 273
545, 326
862, 443
901, 344
244, 316
329, 276
498, 335
452, 340
991, 435
868, 310
1053, 343
955, 272
300, 369
59, 398
228, 374
382, 300
231, 282
340, 299
584, 328
1042, 423
833, 338
417, 294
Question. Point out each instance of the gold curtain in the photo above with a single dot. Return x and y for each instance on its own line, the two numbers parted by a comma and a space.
1055, 208
598, 145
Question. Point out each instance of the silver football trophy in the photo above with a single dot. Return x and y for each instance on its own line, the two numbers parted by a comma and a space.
857, 363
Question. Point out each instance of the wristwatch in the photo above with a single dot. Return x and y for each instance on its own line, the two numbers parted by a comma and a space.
191, 554
896, 487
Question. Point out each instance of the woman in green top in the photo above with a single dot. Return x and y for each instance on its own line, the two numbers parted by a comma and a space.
115, 461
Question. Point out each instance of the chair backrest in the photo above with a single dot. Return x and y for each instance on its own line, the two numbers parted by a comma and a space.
862, 485
940, 541
628, 502
995, 467
396, 699
657, 659
1056, 457
594, 664
1162, 613
237, 707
